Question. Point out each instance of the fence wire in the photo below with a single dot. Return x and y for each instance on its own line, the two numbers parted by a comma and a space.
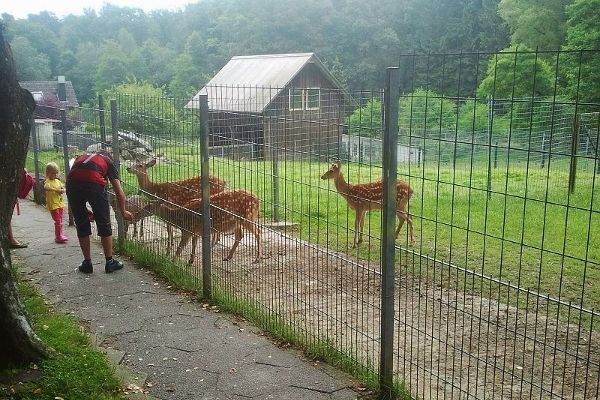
496, 298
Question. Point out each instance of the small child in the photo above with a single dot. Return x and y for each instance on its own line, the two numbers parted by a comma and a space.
54, 200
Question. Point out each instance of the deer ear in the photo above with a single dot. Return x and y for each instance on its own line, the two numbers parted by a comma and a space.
338, 163
151, 163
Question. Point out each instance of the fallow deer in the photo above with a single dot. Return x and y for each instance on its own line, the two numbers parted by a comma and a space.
176, 192
230, 211
363, 197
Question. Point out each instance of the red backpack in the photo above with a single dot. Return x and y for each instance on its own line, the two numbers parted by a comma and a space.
25, 185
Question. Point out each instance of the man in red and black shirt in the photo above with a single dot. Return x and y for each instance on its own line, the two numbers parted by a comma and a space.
86, 183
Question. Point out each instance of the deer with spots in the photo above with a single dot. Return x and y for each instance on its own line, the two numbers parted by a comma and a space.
176, 192
363, 197
230, 211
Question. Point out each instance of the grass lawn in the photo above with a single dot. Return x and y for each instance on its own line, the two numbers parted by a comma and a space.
530, 231
73, 371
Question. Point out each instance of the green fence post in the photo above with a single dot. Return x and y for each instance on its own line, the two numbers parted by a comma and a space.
101, 113
65, 149
37, 188
205, 184
388, 226
116, 154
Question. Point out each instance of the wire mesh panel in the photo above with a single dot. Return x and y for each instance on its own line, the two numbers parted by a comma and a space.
307, 283
496, 295
496, 298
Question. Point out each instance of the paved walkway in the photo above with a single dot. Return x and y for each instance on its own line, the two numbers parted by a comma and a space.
172, 347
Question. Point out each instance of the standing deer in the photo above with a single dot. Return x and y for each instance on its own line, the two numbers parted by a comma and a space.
135, 204
363, 197
177, 192
230, 211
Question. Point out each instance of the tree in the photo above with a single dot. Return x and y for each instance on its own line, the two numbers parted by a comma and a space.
31, 64
148, 111
517, 72
583, 68
20, 345
112, 68
534, 23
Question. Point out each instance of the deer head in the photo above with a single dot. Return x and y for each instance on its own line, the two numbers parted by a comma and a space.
141, 167
333, 171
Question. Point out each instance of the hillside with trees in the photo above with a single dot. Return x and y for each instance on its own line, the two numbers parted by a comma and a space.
178, 51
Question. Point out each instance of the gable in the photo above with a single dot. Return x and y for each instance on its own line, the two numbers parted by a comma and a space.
250, 83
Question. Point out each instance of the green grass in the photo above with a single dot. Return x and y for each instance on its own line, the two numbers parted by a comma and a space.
74, 370
538, 235
531, 231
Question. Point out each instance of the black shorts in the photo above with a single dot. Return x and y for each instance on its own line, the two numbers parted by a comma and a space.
80, 193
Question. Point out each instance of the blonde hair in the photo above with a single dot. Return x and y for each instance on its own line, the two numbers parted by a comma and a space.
51, 167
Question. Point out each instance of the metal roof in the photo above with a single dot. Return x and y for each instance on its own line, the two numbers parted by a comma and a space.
51, 87
249, 83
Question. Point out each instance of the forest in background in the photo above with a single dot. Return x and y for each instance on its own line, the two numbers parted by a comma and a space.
177, 52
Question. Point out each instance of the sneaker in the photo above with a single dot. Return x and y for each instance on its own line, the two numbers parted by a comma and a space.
112, 265
86, 267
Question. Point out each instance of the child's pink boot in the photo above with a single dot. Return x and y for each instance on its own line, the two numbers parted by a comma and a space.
59, 237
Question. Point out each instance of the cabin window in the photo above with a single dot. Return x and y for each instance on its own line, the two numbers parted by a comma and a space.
296, 99
37, 96
313, 99
305, 99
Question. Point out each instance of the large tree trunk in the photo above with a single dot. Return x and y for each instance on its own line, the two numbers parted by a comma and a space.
19, 345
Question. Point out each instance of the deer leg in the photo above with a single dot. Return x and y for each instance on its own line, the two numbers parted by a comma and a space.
141, 228
194, 244
362, 226
358, 222
170, 234
216, 236
238, 237
185, 237
404, 216
255, 230
135, 229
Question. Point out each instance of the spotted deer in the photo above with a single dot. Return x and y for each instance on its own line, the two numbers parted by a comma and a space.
230, 211
135, 205
363, 197
176, 192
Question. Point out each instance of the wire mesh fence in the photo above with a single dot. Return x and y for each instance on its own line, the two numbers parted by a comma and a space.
496, 297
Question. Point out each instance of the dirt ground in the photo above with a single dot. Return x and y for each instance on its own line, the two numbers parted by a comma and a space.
448, 343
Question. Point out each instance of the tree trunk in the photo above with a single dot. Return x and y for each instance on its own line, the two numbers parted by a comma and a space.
19, 344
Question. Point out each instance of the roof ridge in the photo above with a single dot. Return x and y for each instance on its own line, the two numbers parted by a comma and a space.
286, 55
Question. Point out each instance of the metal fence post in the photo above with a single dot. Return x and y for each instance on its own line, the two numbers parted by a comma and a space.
388, 226
275, 171
116, 153
37, 190
65, 148
205, 184
101, 113
574, 146
490, 130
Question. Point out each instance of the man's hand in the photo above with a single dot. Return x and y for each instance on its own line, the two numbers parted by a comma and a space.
127, 216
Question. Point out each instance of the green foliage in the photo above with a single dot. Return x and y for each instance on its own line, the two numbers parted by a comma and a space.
31, 64
534, 25
583, 68
367, 120
427, 111
515, 73
144, 108
112, 67
474, 116
125, 42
